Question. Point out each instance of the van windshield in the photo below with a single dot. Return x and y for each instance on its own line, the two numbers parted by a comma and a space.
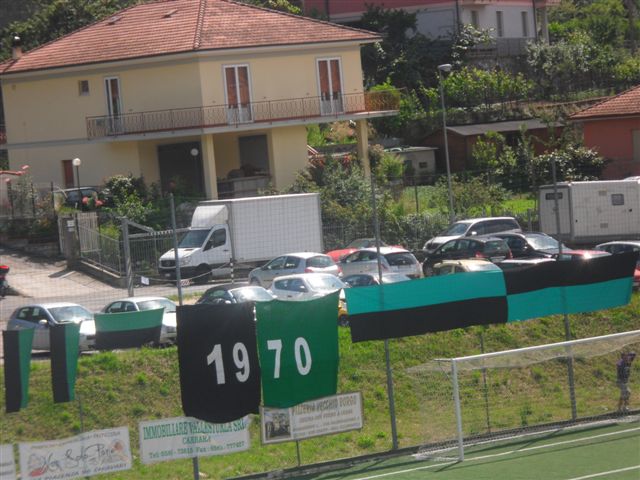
194, 239
455, 229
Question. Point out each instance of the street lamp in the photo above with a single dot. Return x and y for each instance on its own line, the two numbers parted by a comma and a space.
76, 163
446, 67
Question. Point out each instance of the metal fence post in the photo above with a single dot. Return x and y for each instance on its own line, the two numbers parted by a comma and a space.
172, 207
127, 256
458, 410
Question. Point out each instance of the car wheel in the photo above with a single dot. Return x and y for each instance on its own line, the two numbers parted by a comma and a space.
203, 274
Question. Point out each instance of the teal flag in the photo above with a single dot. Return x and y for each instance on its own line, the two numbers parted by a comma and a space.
128, 329
64, 341
17, 362
298, 349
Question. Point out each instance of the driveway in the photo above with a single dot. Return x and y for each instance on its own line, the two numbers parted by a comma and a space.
37, 279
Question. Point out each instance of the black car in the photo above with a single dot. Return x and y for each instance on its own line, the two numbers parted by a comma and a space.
489, 248
234, 293
531, 244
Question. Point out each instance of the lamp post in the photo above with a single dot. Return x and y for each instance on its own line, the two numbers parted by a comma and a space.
446, 67
76, 163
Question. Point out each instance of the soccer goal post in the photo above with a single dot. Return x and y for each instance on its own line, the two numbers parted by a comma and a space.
504, 396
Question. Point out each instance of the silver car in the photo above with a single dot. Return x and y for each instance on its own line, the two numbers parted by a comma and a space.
304, 262
392, 260
168, 331
43, 315
305, 286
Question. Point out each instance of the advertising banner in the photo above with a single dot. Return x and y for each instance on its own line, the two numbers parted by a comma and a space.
338, 413
186, 437
84, 455
7, 463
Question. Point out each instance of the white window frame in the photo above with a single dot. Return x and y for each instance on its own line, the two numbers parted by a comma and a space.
240, 114
332, 106
114, 120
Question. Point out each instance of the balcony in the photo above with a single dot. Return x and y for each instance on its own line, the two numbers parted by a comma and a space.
224, 117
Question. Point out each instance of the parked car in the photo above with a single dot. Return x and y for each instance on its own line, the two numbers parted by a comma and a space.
168, 331
572, 254
41, 316
304, 262
531, 244
235, 293
357, 244
449, 267
72, 197
488, 247
392, 259
523, 262
366, 279
305, 286
472, 227
622, 246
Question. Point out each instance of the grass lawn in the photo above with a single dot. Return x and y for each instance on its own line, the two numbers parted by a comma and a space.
123, 388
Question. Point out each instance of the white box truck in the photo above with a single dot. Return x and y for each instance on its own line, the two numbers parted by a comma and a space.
245, 231
592, 212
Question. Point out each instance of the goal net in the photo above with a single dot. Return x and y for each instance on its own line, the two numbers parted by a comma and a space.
502, 396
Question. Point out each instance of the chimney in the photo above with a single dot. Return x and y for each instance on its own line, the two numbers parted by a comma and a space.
16, 47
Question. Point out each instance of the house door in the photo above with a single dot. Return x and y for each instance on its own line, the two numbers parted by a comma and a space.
67, 173
254, 155
114, 104
236, 79
180, 169
330, 83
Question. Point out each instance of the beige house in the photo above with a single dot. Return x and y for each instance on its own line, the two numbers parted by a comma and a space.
212, 93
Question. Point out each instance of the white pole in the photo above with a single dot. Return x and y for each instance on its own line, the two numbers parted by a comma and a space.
456, 401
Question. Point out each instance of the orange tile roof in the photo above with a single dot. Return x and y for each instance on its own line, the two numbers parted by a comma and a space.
624, 104
177, 26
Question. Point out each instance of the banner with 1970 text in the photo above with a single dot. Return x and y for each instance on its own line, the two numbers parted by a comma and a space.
87, 454
324, 416
187, 437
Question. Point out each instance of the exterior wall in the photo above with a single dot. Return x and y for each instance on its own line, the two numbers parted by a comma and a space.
289, 151
51, 108
613, 139
99, 161
511, 19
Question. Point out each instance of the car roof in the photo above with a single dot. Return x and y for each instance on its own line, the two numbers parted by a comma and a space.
140, 299
385, 250
483, 238
303, 276
527, 261
468, 262
304, 254
620, 242
482, 219
228, 286
48, 305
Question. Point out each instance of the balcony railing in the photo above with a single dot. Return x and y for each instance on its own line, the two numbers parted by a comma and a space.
220, 116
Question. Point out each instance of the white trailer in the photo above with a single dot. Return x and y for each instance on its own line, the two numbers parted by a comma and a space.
592, 211
246, 231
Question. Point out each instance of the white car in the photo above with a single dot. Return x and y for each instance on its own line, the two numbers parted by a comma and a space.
168, 331
305, 286
392, 260
41, 316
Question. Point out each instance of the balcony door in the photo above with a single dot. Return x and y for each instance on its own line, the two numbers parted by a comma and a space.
330, 83
238, 95
114, 104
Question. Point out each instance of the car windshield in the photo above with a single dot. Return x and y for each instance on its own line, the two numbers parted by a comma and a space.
168, 305
482, 267
455, 229
497, 246
72, 313
194, 239
394, 278
542, 242
252, 294
400, 259
325, 283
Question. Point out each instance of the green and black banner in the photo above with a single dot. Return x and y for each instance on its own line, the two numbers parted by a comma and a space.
128, 329
64, 341
298, 347
480, 298
17, 360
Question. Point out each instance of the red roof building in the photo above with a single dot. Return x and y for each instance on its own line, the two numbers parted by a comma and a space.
612, 127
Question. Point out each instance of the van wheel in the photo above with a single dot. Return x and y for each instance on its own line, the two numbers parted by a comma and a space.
203, 275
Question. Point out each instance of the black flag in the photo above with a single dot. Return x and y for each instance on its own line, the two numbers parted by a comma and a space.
218, 355
64, 339
17, 358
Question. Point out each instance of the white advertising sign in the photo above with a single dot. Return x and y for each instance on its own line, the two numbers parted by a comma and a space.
7, 463
90, 453
339, 413
186, 437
